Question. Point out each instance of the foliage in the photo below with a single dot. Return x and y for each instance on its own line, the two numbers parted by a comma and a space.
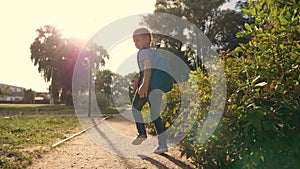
260, 125
103, 82
51, 53
103, 100
225, 26
116, 88
122, 88
29, 96
56, 57
198, 12
5, 91
219, 26
113, 110
171, 110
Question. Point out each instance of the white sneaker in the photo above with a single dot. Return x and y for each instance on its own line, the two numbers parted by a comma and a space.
159, 150
139, 139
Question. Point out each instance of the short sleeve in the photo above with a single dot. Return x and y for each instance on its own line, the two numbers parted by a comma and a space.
143, 54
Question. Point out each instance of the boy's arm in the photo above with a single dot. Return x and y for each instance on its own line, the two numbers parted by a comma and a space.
135, 84
143, 89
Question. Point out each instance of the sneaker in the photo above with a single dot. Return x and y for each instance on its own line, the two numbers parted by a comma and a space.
159, 150
139, 139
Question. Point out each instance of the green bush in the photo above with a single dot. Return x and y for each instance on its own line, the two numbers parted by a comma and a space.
103, 100
260, 124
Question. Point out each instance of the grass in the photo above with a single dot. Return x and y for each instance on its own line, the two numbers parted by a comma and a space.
45, 109
20, 134
27, 130
24, 137
34, 109
23, 132
26, 105
114, 110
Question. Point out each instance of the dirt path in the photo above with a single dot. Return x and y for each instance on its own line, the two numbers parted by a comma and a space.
83, 152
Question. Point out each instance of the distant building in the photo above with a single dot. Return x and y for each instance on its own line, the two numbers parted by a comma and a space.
42, 97
15, 94
11, 93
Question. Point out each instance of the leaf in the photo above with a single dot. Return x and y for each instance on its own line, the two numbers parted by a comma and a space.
275, 12
167, 124
214, 137
282, 20
288, 15
238, 49
247, 26
268, 126
251, 11
284, 109
240, 35
254, 80
261, 46
261, 84
256, 117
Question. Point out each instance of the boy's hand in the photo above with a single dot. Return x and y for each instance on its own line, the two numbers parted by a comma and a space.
143, 91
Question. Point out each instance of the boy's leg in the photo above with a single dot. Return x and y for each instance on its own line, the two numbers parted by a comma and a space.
137, 106
155, 99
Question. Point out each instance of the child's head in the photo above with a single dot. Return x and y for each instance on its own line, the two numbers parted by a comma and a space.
142, 38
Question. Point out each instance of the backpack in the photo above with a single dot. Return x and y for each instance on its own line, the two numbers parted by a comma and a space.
161, 75
177, 67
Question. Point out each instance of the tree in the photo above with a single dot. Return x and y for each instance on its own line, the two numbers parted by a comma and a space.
103, 82
219, 26
56, 56
225, 27
72, 49
5, 91
46, 53
29, 96
122, 87
198, 12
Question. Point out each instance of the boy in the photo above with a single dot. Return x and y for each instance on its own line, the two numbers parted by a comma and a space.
142, 40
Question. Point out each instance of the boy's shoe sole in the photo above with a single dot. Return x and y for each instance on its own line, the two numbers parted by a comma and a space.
139, 139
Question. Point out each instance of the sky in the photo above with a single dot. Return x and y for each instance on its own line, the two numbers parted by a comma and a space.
80, 19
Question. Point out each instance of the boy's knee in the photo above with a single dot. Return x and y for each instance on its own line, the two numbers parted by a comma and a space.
155, 96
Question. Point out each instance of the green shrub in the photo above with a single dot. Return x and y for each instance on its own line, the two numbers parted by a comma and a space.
103, 101
260, 124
